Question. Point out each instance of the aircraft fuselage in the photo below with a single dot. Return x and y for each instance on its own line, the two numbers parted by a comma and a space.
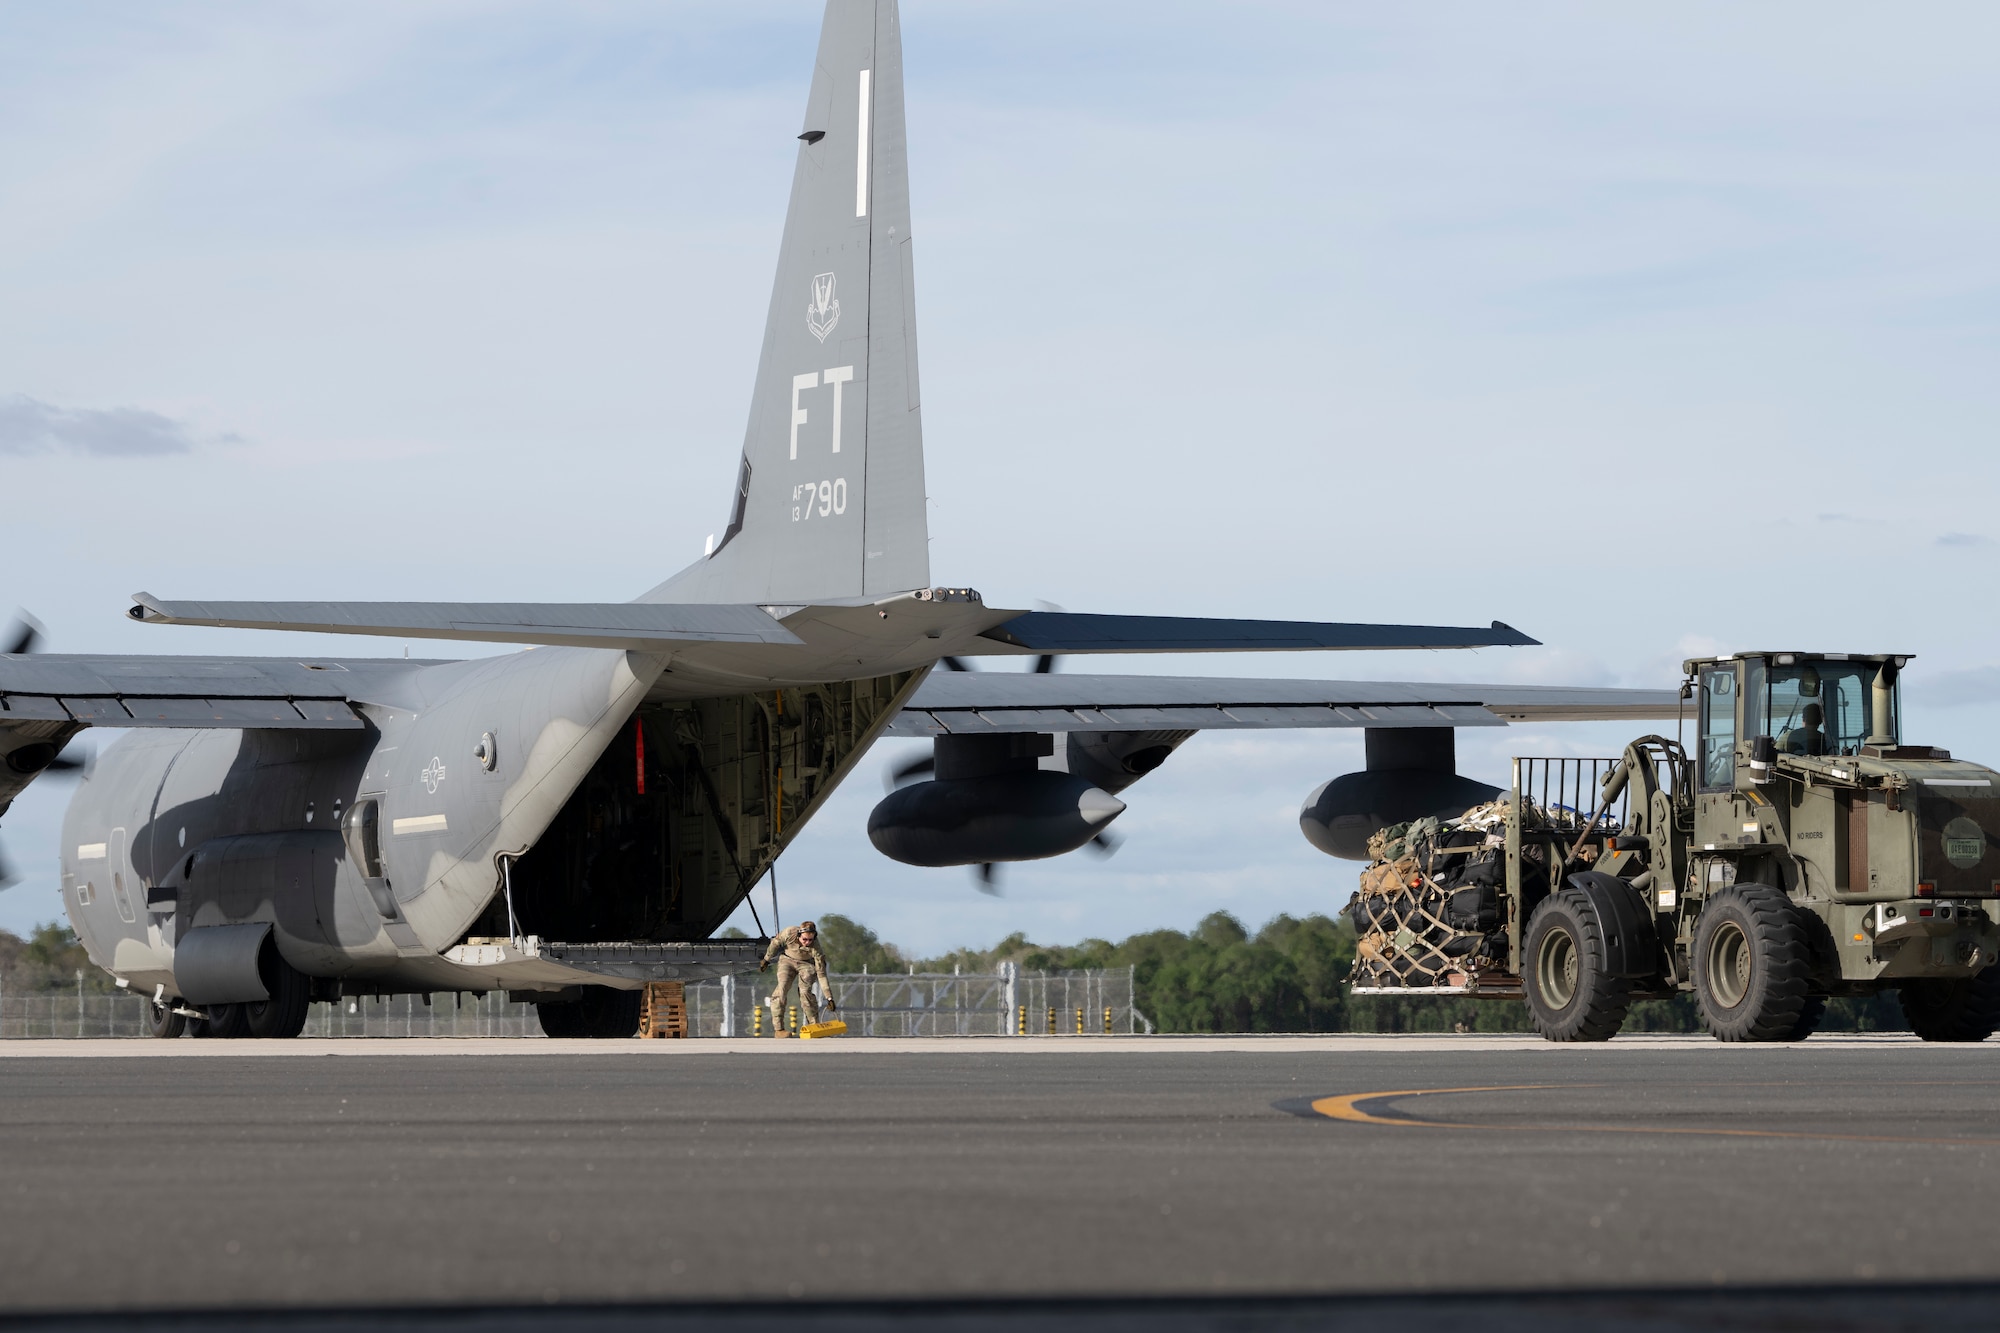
370, 851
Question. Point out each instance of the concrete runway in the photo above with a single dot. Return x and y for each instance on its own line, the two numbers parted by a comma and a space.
1855, 1177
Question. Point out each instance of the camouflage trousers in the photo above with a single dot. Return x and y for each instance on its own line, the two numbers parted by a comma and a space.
805, 974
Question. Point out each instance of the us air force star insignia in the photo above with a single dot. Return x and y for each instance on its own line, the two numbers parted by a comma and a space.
824, 312
433, 774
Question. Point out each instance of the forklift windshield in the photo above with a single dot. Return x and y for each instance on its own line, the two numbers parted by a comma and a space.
1818, 708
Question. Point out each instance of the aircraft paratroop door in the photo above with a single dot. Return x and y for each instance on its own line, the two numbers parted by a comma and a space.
121, 879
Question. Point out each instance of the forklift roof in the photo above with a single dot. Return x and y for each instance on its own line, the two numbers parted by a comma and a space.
1693, 664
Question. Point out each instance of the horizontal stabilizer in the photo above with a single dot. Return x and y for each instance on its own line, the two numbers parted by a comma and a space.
959, 703
1065, 632
629, 625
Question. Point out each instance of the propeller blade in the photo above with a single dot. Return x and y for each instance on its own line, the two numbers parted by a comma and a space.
82, 762
1047, 661
986, 878
954, 664
1106, 843
23, 634
7, 876
909, 772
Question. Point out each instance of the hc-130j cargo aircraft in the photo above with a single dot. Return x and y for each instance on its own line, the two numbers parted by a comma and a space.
569, 822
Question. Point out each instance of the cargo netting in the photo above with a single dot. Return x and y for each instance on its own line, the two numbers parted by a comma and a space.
1428, 914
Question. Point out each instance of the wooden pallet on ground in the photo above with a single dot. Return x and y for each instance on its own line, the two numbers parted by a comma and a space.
663, 1011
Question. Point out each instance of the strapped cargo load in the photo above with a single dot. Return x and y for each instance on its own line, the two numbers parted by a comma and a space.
1429, 915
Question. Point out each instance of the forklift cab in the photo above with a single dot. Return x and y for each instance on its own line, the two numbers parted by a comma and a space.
1815, 704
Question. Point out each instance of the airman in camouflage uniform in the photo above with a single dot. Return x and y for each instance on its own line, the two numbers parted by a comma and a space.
796, 949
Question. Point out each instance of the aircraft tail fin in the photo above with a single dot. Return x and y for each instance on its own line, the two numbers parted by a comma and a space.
829, 502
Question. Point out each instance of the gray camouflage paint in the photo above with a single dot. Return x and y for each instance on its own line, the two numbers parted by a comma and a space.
833, 455
168, 809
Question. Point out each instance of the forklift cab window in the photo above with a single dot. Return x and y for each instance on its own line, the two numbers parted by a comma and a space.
1796, 705
1718, 728
1820, 708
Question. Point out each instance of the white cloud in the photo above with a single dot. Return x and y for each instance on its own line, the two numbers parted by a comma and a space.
28, 426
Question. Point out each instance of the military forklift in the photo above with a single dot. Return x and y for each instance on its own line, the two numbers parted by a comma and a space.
1801, 852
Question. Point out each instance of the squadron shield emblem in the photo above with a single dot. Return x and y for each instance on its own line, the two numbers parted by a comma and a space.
823, 312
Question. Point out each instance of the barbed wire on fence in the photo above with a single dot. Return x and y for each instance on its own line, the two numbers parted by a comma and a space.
914, 1004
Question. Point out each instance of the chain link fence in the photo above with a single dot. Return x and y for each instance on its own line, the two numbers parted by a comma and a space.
916, 1004
442, 1014
938, 1004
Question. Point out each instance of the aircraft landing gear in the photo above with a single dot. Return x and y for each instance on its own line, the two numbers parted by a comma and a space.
284, 1014
601, 1012
224, 1020
163, 1021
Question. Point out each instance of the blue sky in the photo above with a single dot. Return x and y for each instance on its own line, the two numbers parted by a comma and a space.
1651, 330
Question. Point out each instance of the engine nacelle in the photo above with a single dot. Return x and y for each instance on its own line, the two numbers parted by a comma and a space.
1411, 774
1004, 817
1343, 812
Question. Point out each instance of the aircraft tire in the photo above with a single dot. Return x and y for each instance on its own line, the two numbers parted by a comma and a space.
1960, 1010
162, 1021
559, 1020
610, 1013
1752, 964
1570, 994
284, 1014
225, 1020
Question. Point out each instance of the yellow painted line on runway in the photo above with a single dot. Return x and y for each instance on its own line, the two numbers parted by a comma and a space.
1348, 1107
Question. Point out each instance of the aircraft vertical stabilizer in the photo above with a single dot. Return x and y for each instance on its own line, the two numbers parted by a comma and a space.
829, 501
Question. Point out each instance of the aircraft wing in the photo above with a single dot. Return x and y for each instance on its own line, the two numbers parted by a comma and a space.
968, 701
192, 692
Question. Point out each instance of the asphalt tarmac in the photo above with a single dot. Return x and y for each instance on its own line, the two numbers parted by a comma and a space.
1647, 1183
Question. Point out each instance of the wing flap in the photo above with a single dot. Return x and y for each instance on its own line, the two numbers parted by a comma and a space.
194, 692
31, 708
963, 702
97, 712
246, 713
629, 625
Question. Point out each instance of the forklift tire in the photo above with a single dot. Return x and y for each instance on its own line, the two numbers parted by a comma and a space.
1810, 1018
1570, 994
1752, 964
1961, 1010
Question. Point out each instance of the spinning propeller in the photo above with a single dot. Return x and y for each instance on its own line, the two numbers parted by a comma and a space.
986, 874
36, 758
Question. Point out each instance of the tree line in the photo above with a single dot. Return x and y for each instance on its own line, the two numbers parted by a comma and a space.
48, 960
